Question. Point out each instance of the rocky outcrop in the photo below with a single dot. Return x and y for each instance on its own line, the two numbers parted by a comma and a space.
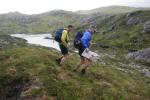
147, 27
6, 40
29, 89
3, 43
11, 85
22, 18
133, 21
143, 55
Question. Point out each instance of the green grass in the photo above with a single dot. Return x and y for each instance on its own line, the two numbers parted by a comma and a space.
129, 37
20, 64
103, 82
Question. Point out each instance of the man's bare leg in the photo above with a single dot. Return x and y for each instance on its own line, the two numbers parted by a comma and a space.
63, 60
87, 65
82, 60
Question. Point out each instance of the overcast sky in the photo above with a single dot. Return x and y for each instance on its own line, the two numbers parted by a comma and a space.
40, 6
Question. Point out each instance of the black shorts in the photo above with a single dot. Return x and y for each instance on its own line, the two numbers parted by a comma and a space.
81, 50
64, 50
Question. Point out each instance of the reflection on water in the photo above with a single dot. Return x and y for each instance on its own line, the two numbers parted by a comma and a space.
39, 40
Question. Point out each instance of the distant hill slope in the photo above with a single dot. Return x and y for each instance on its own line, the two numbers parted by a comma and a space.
15, 22
111, 10
122, 31
41, 23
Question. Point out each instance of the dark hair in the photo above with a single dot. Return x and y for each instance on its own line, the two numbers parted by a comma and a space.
70, 26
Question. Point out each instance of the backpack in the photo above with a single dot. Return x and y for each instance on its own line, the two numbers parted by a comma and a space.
77, 40
58, 35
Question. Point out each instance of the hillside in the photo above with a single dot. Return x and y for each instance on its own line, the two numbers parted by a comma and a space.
30, 72
124, 31
112, 10
15, 22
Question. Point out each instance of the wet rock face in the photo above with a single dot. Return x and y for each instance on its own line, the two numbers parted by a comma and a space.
147, 27
140, 55
133, 21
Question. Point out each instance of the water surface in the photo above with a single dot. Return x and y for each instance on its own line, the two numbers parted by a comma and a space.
39, 40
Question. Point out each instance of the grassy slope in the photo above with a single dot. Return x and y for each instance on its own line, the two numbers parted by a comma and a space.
105, 81
18, 65
129, 37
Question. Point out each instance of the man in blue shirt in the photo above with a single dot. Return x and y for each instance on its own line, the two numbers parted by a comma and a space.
85, 41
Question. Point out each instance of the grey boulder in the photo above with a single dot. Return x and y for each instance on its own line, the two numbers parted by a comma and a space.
133, 21
143, 55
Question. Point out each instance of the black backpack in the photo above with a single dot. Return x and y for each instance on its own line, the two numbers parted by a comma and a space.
77, 40
58, 35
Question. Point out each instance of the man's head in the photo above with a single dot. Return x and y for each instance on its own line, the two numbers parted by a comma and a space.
93, 29
70, 28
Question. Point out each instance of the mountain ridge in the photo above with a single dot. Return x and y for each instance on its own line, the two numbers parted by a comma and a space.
112, 10
84, 11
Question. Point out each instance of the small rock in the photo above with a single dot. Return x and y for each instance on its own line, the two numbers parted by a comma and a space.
125, 70
146, 72
133, 21
106, 84
1, 46
147, 27
135, 66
